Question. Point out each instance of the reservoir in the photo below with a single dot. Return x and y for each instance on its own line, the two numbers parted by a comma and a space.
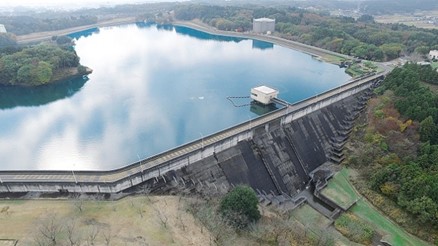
153, 88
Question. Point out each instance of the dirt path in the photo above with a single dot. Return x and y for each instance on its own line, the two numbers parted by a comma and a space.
41, 36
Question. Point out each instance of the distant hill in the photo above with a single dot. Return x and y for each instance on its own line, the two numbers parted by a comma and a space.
376, 7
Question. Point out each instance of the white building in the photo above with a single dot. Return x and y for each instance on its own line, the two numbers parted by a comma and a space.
263, 94
263, 25
433, 54
2, 28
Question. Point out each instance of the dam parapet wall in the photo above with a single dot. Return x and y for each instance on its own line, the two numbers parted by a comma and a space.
271, 151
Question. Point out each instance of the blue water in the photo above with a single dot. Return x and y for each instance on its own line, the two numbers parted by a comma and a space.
152, 88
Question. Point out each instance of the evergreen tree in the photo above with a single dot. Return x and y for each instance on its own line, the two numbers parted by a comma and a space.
239, 207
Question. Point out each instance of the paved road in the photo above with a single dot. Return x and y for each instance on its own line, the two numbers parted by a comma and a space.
41, 36
312, 50
115, 175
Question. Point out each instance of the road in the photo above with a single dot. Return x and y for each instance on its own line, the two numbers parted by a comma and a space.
41, 36
179, 152
311, 50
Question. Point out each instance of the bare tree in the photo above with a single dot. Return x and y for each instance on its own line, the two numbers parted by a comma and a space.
78, 202
93, 231
73, 232
162, 217
49, 230
107, 236
179, 214
138, 207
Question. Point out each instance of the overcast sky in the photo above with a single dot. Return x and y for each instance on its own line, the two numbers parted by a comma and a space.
67, 3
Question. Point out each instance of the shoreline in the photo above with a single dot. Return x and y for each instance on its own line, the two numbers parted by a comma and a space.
42, 36
66, 74
318, 53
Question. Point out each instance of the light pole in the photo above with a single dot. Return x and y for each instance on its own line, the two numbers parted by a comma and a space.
74, 177
249, 117
139, 160
202, 141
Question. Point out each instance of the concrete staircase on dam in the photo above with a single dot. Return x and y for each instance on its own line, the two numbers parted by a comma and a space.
274, 153
277, 161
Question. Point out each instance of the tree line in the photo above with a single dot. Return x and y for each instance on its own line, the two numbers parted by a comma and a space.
21, 25
401, 143
362, 37
35, 65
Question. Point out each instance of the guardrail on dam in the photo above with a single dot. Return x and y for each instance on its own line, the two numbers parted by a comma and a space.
114, 181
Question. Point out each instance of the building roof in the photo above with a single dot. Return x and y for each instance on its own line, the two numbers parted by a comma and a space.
2, 28
264, 20
423, 63
265, 89
433, 52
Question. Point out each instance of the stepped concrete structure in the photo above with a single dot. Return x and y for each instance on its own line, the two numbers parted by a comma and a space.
275, 154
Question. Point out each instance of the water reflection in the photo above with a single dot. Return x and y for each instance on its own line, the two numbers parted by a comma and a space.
85, 33
203, 35
152, 90
261, 109
12, 96
262, 45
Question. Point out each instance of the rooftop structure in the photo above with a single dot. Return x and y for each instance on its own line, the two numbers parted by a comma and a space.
2, 28
263, 25
423, 63
433, 54
263, 94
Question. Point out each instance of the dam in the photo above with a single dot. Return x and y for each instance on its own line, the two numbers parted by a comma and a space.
273, 153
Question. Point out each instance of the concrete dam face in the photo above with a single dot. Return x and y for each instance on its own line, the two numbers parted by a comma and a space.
276, 154
278, 160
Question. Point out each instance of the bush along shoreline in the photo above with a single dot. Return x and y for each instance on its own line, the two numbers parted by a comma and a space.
39, 65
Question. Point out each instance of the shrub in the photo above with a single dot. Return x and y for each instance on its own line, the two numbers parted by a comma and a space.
354, 228
239, 207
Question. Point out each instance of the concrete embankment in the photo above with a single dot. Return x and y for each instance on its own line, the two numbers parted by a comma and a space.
314, 51
42, 36
278, 159
281, 169
311, 50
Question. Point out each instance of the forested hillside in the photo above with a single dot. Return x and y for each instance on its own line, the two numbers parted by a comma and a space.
362, 38
397, 151
20, 25
36, 65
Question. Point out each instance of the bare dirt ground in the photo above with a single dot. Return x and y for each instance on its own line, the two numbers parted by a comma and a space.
141, 220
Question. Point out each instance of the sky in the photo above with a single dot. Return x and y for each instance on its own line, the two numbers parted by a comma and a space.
71, 3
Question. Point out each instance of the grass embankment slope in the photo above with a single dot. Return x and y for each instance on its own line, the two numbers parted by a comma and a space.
130, 221
340, 189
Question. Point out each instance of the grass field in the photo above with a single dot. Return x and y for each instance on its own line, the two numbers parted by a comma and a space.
130, 221
332, 59
391, 232
434, 65
409, 19
316, 222
309, 217
340, 191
